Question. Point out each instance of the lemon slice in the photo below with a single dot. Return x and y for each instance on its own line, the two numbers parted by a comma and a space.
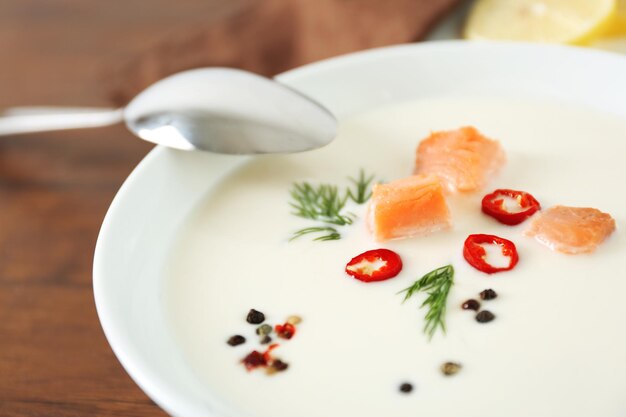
550, 21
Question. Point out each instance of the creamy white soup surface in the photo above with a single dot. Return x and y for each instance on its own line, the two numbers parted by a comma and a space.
557, 346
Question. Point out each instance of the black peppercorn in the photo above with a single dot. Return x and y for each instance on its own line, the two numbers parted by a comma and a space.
279, 365
265, 340
236, 340
406, 388
255, 317
485, 316
488, 294
471, 304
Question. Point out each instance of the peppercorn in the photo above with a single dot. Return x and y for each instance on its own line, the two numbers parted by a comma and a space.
265, 340
276, 366
254, 360
279, 365
285, 331
471, 304
294, 320
485, 316
488, 294
255, 317
450, 368
236, 340
406, 388
264, 330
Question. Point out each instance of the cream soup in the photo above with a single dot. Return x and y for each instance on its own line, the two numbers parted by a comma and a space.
557, 346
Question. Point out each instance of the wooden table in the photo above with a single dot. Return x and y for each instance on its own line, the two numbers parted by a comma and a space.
55, 188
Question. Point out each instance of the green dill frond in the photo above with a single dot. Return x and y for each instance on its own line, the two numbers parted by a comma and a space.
362, 188
330, 233
437, 285
325, 203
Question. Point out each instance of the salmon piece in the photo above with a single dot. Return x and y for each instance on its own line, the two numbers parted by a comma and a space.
411, 206
571, 230
464, 159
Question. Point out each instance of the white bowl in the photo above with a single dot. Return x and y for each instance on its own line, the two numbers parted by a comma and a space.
144, 217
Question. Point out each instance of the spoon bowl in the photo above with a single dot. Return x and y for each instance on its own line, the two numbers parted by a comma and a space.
228, 111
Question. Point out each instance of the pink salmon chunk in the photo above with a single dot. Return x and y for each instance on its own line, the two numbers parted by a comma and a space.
411, 206
464, 159
571, 230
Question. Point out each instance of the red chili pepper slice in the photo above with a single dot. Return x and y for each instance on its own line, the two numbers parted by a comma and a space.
475, 254
285, 331
267, 355
493, 205
375, 265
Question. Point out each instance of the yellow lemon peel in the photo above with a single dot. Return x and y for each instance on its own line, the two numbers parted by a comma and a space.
547, 21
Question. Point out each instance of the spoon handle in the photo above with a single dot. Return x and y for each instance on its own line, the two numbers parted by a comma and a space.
18, 120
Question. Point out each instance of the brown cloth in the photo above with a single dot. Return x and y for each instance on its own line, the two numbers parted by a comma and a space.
271, 36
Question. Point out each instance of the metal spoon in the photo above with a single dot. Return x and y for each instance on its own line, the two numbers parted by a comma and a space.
220, 110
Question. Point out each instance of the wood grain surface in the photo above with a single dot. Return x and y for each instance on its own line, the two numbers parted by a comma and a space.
55, 187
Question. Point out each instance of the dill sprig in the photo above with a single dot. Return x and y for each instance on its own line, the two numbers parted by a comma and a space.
363, 190
323, 203
330, 233
436, 284
326, 204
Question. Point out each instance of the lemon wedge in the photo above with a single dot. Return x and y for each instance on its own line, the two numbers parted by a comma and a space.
614, 39
549, 21
618, 26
